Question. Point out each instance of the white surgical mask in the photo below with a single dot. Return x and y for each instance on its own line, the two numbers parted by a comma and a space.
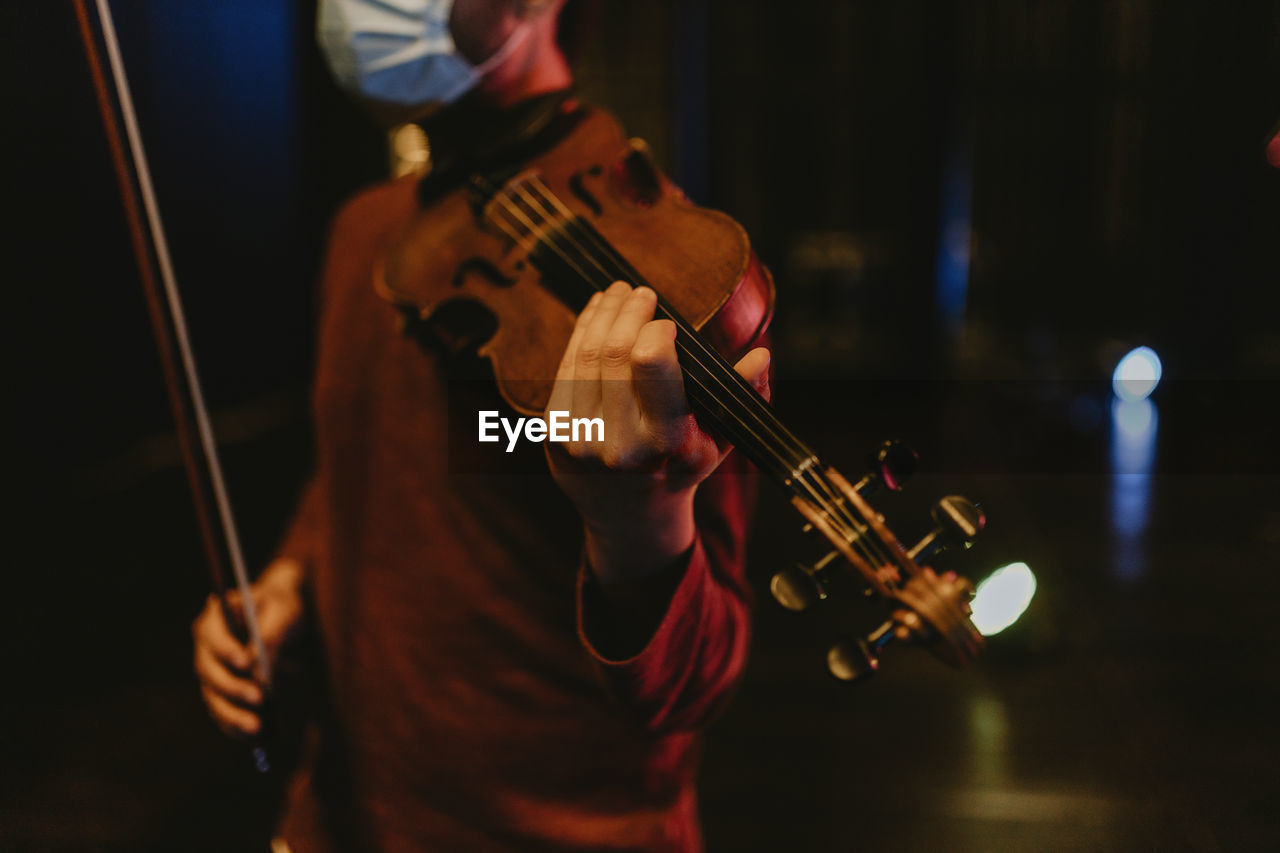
400, 51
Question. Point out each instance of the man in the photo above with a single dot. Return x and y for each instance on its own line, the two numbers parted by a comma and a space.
513, 661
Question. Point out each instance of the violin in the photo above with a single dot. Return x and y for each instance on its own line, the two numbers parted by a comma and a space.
530, 243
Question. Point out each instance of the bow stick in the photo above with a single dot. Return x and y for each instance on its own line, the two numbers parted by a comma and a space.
169, 324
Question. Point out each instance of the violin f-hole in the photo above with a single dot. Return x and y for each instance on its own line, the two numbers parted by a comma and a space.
580, 191
637, 177
482, 268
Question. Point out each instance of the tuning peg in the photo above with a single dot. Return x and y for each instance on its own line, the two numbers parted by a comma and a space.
800, 587
959, 521
858, 659
891, 466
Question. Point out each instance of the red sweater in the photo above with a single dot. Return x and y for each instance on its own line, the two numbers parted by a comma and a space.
474, 704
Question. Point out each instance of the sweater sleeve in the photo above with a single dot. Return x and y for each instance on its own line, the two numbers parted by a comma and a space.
688, 665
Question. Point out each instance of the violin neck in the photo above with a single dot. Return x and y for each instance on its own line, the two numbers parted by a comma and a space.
576, 261
722, 399
729, 405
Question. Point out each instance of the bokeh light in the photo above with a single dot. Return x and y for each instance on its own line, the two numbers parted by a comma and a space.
1137, 374
1002, 598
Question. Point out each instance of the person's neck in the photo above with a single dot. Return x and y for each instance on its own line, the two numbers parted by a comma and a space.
541, 69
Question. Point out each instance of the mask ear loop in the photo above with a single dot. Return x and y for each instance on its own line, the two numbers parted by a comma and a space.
517, 37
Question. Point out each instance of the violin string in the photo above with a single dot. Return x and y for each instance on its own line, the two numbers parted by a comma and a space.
853, 528
739, 391
606, 277
855, 533
512, 228
845, 513
849, 528
833, 506
597, 283
880, 554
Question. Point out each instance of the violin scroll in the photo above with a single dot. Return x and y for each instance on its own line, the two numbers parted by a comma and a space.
937, 614
928, 607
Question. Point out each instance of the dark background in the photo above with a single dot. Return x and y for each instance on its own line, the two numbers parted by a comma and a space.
972, 210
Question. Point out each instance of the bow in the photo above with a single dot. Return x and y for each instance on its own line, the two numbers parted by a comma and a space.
164, 305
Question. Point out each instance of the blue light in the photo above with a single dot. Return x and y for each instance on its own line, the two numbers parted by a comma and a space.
951, 273
1133, 420
1137, 374
1134, 424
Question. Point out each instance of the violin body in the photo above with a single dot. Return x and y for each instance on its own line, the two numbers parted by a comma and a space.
700, 260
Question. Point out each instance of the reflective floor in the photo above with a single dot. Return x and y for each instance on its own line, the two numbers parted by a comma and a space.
1118, 715
1132, 708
